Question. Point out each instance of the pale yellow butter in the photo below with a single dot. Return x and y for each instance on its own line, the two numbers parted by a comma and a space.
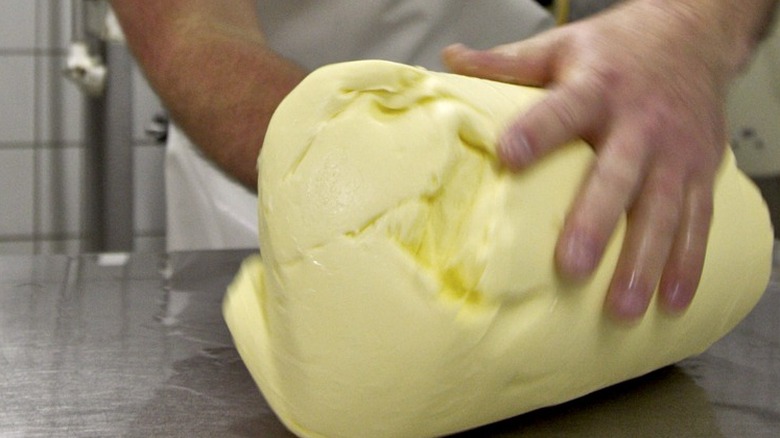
407, 286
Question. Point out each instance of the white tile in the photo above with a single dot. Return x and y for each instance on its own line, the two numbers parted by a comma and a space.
59, 188
17, 24
59, 246
24, 247
16, 192
17, 97
61, 104
146, 105
149, 188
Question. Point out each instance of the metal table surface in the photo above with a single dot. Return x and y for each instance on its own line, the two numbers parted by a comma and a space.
135, 346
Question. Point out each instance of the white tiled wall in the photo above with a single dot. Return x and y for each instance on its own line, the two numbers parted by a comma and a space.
17, 24
17, 92
16, 196
42, 139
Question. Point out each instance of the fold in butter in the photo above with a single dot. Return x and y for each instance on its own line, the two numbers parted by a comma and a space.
407, 286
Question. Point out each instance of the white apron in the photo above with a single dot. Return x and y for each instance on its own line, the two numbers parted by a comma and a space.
206, 210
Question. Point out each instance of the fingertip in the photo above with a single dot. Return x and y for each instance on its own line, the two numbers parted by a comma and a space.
627, 305
576, 256
451, 51
455, 48
676, 296
514, 150
630, 293
455, 56
683, 271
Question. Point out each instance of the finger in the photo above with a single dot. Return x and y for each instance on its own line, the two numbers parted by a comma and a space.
652, 226
686, 261
529, 62
609, 190
565, 113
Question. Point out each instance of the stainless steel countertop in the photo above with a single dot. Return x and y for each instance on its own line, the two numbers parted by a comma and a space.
135, 346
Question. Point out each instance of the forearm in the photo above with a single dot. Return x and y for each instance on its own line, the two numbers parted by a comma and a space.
211, 68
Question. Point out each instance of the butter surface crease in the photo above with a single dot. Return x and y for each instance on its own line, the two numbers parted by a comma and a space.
407, 285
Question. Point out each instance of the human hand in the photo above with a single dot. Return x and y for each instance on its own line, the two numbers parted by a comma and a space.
645, 86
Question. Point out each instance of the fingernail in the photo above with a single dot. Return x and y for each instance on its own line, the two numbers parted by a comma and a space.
460, 47
677, 298
629, 306
629, 299
578, 259
514, 149
458, 53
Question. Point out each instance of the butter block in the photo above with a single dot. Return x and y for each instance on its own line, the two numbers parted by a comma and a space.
407, 285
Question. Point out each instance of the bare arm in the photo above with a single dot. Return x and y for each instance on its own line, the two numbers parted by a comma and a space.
645, 83
208, 62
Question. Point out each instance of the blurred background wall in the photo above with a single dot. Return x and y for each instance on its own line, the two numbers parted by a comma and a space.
45, 189
42, 139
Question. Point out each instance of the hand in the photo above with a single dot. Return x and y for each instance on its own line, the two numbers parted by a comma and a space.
645, 87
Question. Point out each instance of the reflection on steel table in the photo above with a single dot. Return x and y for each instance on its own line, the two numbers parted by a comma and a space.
135, 345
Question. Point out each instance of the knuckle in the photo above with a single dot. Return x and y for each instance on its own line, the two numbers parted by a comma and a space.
582, 99
562, 108
668, 218
665, 203
656, 122
618, 172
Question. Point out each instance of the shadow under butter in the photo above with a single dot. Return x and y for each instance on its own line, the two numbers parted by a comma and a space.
664, 403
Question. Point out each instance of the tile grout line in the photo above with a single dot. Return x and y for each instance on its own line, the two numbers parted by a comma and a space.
79, 235
9, 52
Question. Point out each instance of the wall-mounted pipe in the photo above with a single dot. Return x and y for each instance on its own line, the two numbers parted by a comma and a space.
101, 65
78, 31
